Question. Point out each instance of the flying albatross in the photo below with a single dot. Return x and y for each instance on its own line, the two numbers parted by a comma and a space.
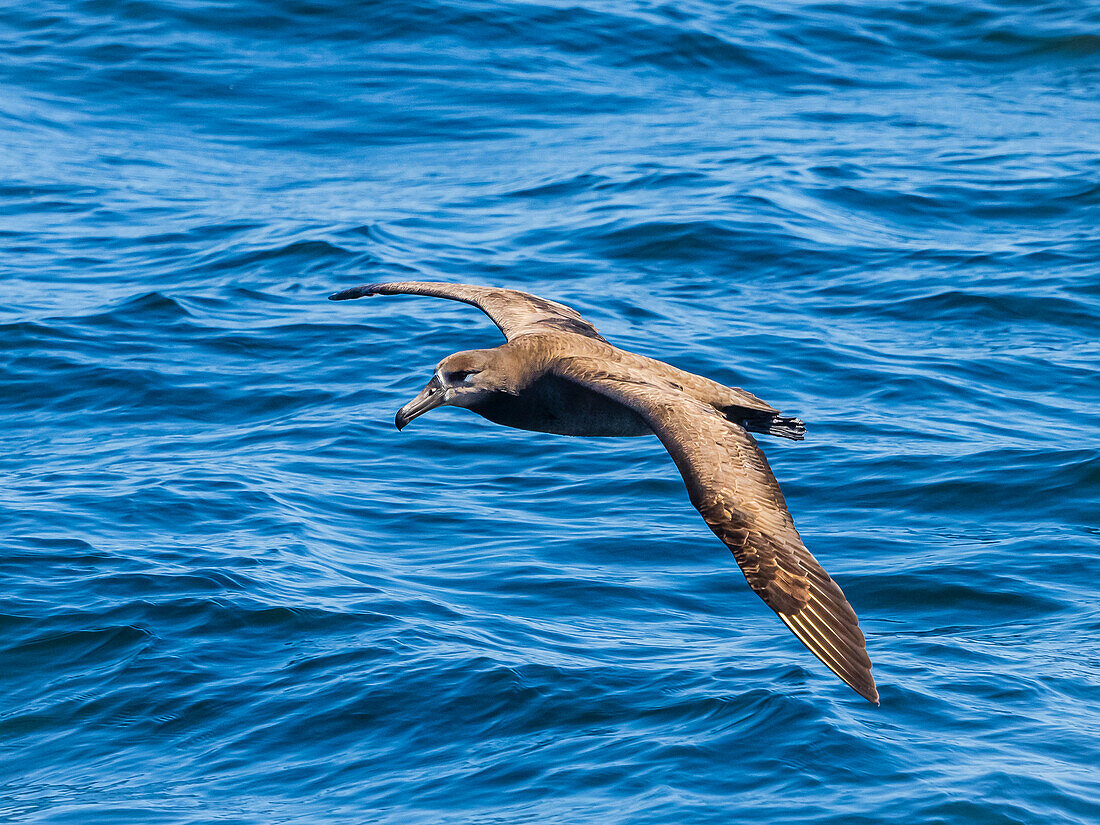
557, 374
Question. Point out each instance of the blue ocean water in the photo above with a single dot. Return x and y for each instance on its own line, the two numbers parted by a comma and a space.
234, 593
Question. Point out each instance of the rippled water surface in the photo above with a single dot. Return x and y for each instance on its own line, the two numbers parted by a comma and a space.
234, 593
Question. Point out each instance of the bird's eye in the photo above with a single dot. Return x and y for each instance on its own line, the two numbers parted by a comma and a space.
460, 376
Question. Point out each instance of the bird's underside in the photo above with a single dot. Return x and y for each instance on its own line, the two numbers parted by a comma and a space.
557, 374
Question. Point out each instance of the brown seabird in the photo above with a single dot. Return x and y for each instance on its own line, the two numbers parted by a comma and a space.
557, 374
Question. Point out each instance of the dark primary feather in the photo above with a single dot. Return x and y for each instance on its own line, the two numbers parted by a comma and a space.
515, 313
730, 483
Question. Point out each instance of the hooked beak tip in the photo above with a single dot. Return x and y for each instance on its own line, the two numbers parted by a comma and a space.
429, 398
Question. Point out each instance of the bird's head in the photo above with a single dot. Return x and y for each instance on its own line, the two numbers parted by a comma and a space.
461, 380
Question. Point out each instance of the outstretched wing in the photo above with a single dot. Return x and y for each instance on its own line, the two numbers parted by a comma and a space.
731, 485
516, 313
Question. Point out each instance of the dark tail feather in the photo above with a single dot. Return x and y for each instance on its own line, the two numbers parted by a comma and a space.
771, 423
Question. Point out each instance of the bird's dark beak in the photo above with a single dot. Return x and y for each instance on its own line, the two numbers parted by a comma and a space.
430, 397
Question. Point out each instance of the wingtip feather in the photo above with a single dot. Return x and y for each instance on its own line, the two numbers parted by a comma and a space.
854, 674
353, 292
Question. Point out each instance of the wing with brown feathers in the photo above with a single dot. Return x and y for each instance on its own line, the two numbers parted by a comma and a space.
731, 485
516, 313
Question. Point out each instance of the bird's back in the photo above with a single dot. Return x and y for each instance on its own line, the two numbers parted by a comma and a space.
545, 402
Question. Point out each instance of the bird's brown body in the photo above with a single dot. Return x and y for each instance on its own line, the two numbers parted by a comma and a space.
557, 374
542, 401
549, 404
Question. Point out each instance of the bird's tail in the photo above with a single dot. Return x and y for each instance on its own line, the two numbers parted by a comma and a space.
756, 421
